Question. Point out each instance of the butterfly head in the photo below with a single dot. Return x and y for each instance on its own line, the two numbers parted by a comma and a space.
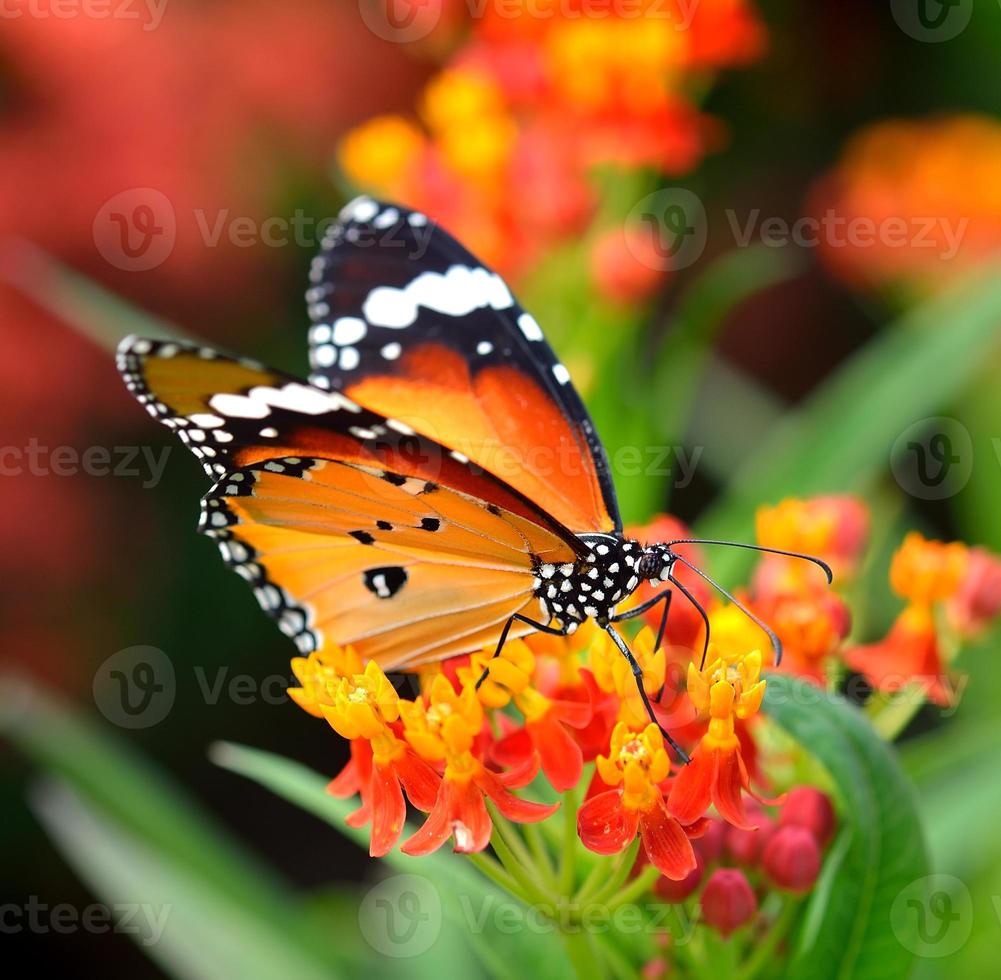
657, 563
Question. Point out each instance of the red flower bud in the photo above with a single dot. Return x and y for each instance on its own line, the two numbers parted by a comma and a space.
791, 859
626, 266
709, 846
806, 806
728, 901
745, 846
678, 891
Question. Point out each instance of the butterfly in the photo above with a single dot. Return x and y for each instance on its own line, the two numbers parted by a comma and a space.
435, 487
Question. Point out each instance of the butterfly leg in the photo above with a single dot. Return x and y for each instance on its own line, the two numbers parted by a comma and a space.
541, 627
705, 619
643, 607
638, 674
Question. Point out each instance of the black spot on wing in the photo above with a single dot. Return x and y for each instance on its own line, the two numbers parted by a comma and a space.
385, 581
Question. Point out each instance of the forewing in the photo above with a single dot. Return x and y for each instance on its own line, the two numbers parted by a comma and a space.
408, 323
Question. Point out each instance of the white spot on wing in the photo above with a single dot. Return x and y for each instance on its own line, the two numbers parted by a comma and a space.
457, 292
349, 330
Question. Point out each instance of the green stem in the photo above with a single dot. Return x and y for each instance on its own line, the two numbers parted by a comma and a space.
583, 956
890, 714
492, 870
618, 965
540, 853
591, 882
765, 948
521, 873
625, 864
511, 836
641, 884
568, 856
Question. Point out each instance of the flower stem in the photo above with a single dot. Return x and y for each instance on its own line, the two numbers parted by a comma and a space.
492, 870
625, 864
642, 883
583, 956
891, 714
541, 854
511, 836
765, 948
591, 882
523, 872
568, 856
618, 965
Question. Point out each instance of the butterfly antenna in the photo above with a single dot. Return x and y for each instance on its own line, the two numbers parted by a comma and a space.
772, 636
758, 547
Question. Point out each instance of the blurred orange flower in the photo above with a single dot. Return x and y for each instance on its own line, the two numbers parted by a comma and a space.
918, 202
538, 95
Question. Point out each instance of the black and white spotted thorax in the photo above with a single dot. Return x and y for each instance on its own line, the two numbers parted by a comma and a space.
596, 583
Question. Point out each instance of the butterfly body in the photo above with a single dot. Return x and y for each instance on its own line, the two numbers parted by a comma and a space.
594, 585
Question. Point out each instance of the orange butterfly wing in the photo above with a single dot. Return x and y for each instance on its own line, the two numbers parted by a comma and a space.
404, 574
347, 524
408, 323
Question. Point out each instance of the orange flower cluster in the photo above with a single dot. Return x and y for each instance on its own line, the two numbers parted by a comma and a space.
952, 593
912, 204
570, 707
539, 93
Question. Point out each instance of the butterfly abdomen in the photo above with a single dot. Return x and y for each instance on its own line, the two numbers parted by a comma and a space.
591, 587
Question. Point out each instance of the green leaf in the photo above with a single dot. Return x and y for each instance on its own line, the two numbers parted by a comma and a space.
507, 941
841, 437
142, 803
180, 919
81, 302
845, 931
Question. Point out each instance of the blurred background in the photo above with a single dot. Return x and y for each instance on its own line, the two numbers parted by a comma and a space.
769, 276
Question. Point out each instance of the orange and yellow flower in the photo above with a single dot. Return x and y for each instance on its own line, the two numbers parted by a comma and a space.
362, 706
443, 729
636, 767
724, 692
